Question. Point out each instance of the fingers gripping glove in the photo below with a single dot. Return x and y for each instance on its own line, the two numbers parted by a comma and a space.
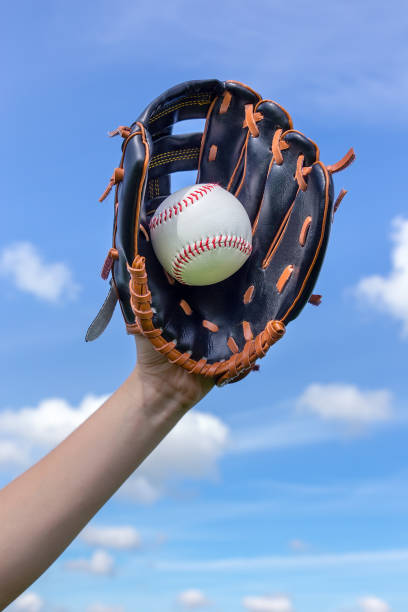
250, 148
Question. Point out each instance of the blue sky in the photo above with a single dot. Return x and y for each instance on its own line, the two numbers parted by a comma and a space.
294, 495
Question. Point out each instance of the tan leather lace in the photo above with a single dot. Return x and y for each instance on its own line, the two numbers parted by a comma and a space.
224, 371
251, 120
116, 178
278, 146
122, 130
343, 163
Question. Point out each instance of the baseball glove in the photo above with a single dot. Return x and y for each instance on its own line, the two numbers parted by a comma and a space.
250, 148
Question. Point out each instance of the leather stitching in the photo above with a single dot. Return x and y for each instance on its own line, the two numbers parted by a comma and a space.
187, 254
171, 156
190, 198
200, 100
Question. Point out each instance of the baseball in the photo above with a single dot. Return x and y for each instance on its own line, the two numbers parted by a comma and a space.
201, 234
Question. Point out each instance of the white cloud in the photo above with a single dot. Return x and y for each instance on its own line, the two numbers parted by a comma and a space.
22, 263
389, 293
348, 403
100, 563
98, 607
200, 437
28, 602
12, 454
373, 604
277, 603
141, 489
193, 598
121, 538
334, 403
284, 562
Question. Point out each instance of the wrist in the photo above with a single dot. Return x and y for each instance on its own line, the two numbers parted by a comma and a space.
156, 394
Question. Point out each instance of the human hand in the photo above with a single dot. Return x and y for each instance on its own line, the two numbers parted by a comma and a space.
167, 379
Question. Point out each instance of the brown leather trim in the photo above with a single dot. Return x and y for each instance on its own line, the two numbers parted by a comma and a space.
133, 328
315, 299
247, 331
284, 277
232, 345
116, 178
141, 185
279, 144
241, 183
186, 307
123, 130
292, 131
118, 174
209, 325
225, 102
278, 237
243, 150
254, 118
281, 107
249, 294
144, 232
203, 137
241, 363
343, 163
212, 153
181, 359
325, 215
111, 257
138, 132
170, 279
275, 148
223, 371
199, 366
299, 175
256, 220
246, 87
125, 143
304, 231
339, 200
250, 120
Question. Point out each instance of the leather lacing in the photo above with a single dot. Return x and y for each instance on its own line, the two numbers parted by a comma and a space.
116, 178
121, 130
251, 119
240, 363
224, 371
278, 145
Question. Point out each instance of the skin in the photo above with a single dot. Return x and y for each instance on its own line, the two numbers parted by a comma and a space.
46, 507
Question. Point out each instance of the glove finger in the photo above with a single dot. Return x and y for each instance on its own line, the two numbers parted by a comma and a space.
249, 182
290, 271
280, 190
224, 137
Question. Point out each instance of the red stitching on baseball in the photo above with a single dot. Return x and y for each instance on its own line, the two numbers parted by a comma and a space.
192, 197
190, 251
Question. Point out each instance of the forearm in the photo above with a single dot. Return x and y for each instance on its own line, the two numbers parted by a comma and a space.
45, 508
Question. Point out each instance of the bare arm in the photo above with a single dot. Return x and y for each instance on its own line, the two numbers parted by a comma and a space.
45, 508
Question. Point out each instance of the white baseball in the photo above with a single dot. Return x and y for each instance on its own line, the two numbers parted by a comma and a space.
201, 234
